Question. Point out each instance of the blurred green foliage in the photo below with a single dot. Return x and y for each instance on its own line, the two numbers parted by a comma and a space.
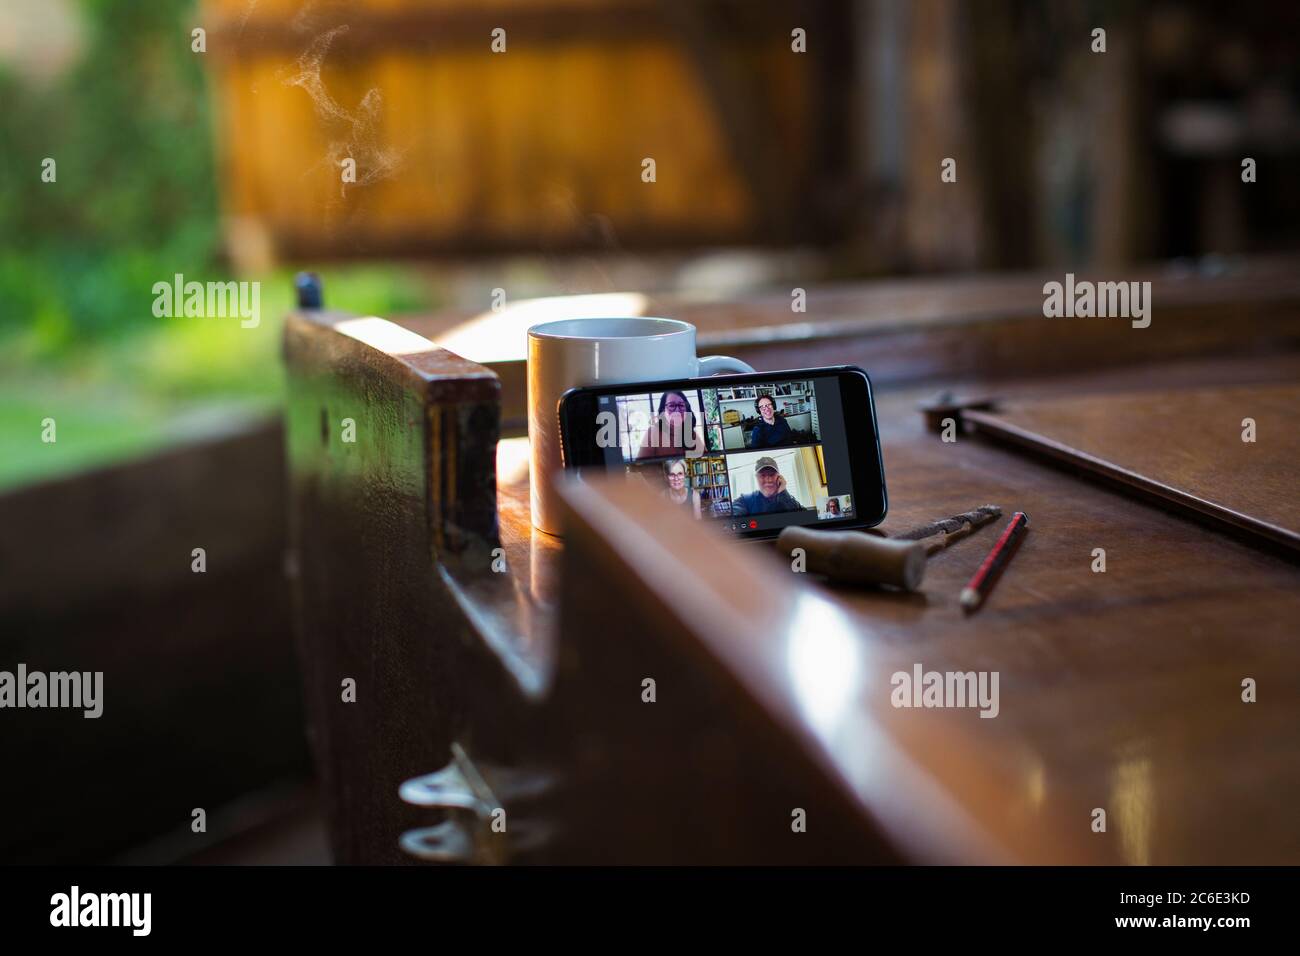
129, 127
135, 202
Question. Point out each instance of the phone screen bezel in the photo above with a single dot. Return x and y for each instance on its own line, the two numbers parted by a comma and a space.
576, 413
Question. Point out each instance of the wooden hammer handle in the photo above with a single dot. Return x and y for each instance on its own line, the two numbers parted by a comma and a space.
856, 557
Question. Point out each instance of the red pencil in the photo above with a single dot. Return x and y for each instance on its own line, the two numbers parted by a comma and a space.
974, 593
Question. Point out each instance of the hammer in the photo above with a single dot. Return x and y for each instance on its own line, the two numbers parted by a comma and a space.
858, 558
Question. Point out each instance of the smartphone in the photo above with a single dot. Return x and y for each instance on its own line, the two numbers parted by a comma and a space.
751, 453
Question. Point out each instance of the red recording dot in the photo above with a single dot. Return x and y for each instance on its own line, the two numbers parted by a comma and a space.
753, 524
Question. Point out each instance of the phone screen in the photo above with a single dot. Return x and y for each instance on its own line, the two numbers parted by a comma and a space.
753, 456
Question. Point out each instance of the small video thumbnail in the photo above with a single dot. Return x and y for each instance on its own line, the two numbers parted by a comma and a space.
768, 482
766, 415
697, 484
836, 506
653, 426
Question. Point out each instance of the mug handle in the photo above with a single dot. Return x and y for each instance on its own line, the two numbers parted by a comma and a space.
716, 364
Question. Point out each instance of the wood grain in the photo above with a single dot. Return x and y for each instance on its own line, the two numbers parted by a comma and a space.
460, 150
1123, 688
1119, 689
903, 331
1184, 447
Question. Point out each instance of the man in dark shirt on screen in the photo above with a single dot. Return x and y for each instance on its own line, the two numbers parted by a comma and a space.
771, 496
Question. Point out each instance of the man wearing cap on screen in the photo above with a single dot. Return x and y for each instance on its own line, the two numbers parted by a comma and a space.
771, 496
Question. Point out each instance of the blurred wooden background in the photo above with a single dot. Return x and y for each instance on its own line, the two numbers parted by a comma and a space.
1065, 155
462, 149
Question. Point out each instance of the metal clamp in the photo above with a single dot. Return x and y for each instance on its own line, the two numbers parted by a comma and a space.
447, 842
447, 788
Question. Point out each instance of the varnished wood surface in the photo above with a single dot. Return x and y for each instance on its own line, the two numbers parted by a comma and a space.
533, 556
903, 304
898, 408
1118, 690
385, 519
1201, 461
906, 331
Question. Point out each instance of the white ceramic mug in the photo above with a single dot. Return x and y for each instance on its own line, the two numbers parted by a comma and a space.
573, 352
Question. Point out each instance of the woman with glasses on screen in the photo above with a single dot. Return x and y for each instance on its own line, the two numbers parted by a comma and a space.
770, 431
679, 490
672, 431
